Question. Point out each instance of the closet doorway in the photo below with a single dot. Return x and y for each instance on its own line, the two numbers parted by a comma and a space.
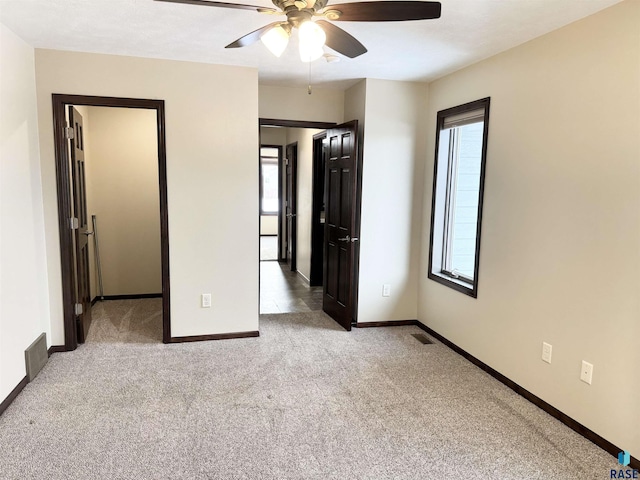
95, 179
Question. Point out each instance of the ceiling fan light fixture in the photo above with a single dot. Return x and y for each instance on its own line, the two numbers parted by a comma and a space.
312, 39
276, 40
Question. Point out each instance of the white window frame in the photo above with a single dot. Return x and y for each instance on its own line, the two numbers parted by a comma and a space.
444, 194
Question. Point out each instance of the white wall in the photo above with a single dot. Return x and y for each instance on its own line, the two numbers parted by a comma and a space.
121, 157
24, 305
273, 136
288, 103
268, 225
393, 166
212, 151
560, 251
355, 99
304, 212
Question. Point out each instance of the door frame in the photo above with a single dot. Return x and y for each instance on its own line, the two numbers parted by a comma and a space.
317, 225
291, 200
63, 175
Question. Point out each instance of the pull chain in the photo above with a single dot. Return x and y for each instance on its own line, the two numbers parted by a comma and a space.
309, 82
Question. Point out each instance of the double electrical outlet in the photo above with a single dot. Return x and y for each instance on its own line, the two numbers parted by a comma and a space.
586, 372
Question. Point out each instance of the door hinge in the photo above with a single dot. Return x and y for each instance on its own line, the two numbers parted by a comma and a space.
78, 308
286, 161
73, 223
69, 133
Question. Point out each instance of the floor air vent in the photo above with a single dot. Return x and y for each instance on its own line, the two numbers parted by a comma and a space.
422, 338
36, 356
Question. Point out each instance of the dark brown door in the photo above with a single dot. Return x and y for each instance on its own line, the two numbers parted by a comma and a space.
291, 222
79, 201
341, 224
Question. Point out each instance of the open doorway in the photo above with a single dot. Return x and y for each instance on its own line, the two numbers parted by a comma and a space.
293, 284
333, 149
105, 185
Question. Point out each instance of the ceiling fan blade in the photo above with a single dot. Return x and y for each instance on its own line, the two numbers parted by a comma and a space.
385, 11
252, 37
341, 41
209, 3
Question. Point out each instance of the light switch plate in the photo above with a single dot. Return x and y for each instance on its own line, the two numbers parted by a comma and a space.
586, 374
206, 300
546, 352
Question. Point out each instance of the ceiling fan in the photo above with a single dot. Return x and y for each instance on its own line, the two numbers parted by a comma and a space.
315, 34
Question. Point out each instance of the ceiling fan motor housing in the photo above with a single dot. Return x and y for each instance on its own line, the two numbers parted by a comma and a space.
299, 11
298, 17
312, 5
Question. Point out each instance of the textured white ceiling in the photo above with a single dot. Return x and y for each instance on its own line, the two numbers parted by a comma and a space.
468, 31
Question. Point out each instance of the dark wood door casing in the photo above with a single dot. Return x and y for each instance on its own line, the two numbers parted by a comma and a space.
65, 209
342, 193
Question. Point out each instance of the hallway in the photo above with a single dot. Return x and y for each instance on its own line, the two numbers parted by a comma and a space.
284, 291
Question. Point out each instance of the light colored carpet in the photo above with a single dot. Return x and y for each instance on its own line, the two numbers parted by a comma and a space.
126, 321
305, 400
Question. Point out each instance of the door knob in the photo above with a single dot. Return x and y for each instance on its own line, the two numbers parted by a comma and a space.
345, 239
87, 233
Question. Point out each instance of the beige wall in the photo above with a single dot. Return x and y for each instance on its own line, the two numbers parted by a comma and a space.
288, 103
393, 166
121, 156
560, 251
268, 225
273, 136
355, 107
24, 306
212, 147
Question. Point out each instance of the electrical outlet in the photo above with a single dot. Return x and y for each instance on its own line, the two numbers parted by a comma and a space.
546, 352
206, 300
586, 374
386, 290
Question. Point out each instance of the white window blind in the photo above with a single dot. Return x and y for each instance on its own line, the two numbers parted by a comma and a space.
465, 118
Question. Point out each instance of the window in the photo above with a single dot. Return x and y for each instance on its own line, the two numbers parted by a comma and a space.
269, 160
458, 185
